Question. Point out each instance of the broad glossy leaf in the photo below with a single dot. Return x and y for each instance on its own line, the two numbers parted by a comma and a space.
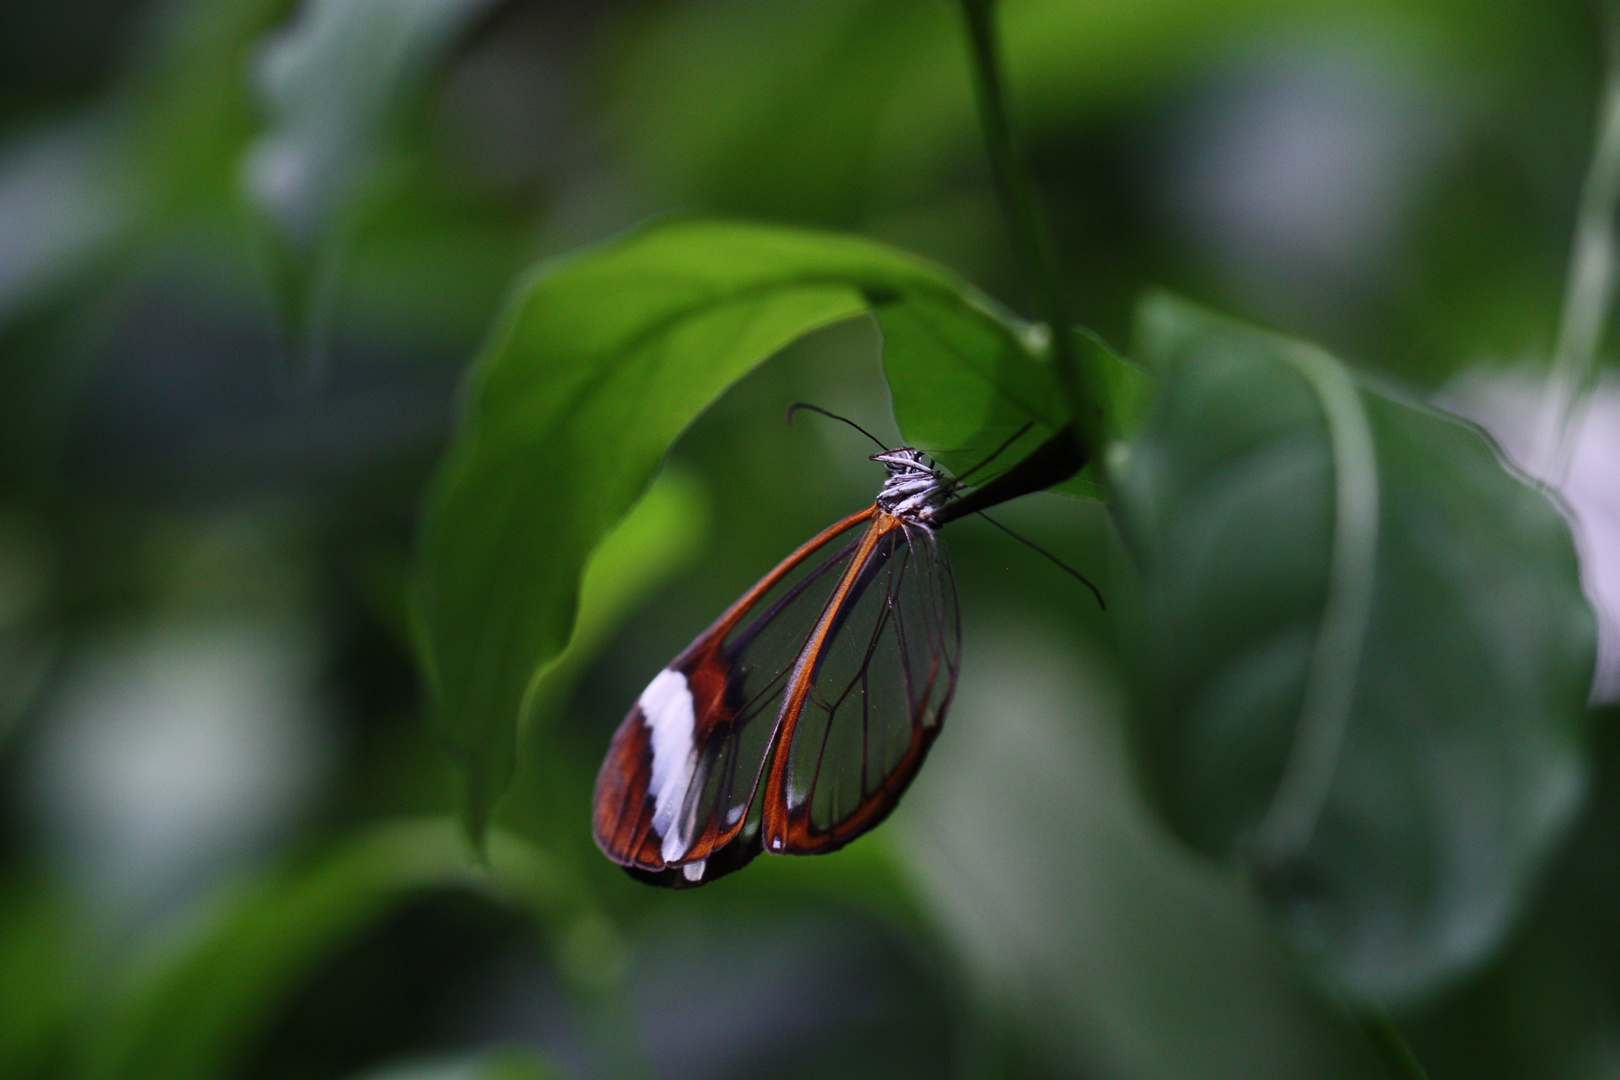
599, 364
190, 1010
1362, 650
659, 537
961, 374
1540, 1010
1126, 389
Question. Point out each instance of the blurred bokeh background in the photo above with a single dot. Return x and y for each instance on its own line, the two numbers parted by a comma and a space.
247, 248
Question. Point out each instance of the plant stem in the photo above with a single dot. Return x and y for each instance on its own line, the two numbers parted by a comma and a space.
1031, 242
1391, 1046
1594, 268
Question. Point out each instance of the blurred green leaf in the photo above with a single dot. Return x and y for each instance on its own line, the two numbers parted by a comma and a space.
189, 1011
514, 1065
1362, 649
82, 196
510, 1064
191, 109
1544, 1007
28, 647
331, 82
65, 207
599, 364
827, 110
39, 951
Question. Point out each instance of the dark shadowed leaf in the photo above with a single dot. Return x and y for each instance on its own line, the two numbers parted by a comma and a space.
599, 364
1362, 649
1123, 954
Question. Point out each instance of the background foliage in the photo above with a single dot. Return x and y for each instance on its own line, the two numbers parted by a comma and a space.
247, 251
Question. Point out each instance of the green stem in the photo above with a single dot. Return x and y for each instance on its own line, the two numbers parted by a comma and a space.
1391, 1046
1594, 269
1031, 241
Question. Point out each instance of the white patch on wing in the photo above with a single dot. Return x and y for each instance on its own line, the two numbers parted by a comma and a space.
667, 710
693, 871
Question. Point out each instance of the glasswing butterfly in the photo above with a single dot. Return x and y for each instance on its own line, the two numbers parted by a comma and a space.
795, 722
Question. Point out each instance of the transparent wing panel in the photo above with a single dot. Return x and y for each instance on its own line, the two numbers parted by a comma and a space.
878, 692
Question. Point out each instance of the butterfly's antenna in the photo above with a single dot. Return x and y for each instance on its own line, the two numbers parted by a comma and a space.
797, 405
1019, 434
1025, 540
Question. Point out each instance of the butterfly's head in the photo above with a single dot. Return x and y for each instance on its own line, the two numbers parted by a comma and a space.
914, 490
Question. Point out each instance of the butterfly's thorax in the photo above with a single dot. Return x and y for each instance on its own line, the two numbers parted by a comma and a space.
913, 492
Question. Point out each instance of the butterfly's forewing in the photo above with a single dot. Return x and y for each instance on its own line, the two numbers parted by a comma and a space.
672, 798
867, 695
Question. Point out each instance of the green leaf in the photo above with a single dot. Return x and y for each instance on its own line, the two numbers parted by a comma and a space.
661, 535
514, 1065
1361, 646
189, 1011
599, 363
1125, 388
962, 374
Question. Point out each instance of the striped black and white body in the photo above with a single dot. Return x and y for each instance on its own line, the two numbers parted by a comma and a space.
913, 492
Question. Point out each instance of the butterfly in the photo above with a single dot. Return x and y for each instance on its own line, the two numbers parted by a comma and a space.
796, 721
